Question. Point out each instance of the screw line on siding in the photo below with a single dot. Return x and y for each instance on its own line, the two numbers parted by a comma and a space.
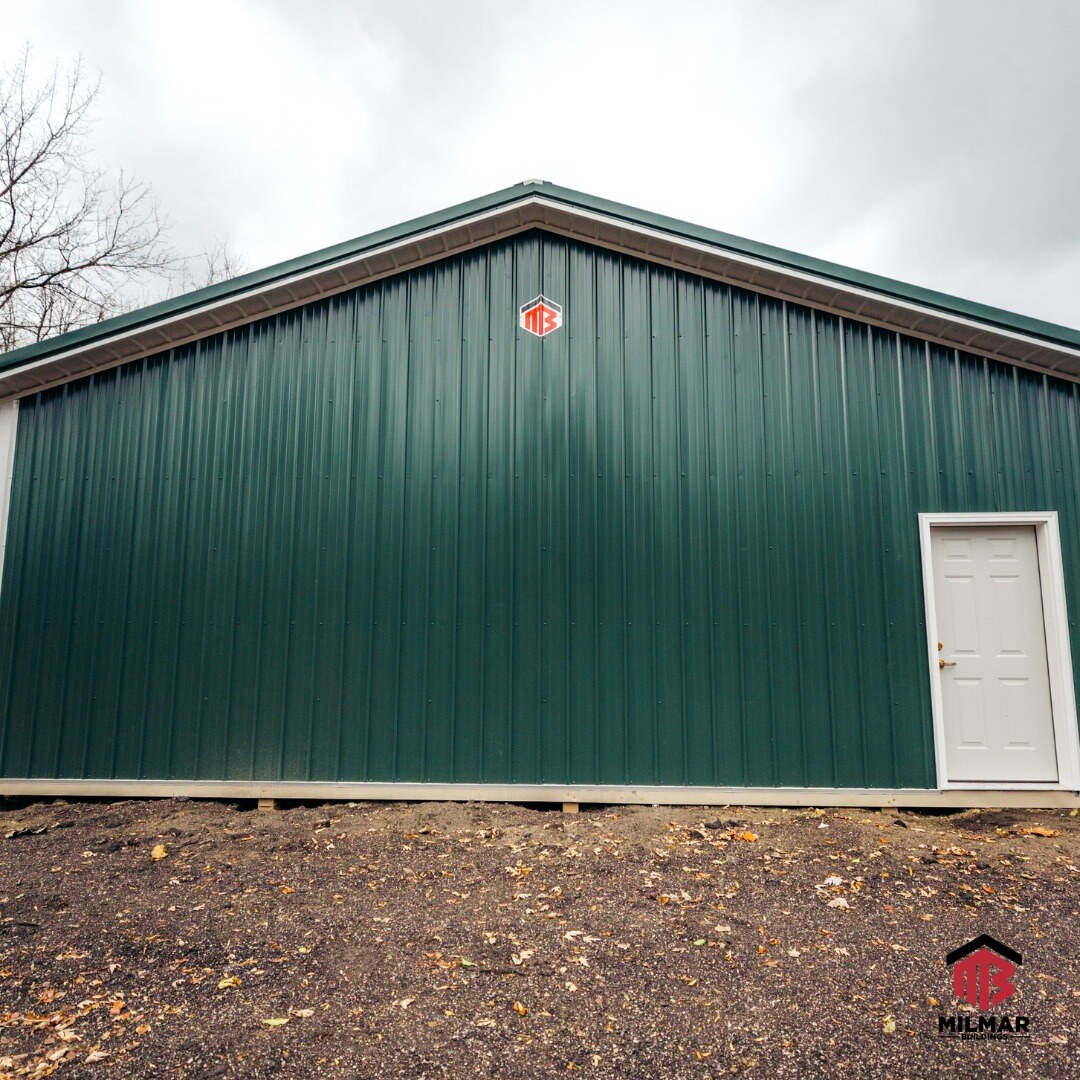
709, 465
799, 578
406, 493
680, 466
736, 514
295, 329
136, 530
55, 575
185, 747
154, 473
881, 529
263, 342
481, 704
593, 460
849, 517
210, 370
323, 452
568, 719
512, 545
353, 361
378, 356
246, 495
822, 516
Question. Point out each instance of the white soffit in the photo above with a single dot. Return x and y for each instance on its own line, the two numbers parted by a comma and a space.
535, 211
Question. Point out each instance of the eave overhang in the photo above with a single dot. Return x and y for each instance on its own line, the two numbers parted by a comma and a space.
904, 309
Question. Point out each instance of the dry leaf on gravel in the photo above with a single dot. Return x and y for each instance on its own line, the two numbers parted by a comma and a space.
159, 852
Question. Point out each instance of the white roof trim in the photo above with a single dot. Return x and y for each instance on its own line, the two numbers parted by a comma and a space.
537, 211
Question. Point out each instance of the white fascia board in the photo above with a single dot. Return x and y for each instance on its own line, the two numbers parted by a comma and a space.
426, 249
809, 278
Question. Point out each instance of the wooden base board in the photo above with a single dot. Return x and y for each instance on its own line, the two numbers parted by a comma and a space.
598, 794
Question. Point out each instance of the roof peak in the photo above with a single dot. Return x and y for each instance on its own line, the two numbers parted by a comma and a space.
829, 287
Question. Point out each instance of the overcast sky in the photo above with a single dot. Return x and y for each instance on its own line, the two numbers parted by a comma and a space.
936, 141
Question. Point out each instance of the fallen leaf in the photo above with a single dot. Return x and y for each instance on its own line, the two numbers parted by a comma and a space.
889, 1025
749, 837
229, 982
404, 1003
700, 941
303, 1013
276, 1021
839, 902
519, 1008
96, 1055
1039, 830
159, 852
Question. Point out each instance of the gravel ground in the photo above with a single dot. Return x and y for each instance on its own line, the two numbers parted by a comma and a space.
208, 939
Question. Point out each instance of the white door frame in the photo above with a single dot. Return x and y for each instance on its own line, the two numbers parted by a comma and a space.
1058, 644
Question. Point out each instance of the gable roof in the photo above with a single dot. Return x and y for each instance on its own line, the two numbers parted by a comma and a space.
908, 309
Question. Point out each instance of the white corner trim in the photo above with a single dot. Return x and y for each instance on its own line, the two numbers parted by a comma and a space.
9, 426
1058, 642
602, 794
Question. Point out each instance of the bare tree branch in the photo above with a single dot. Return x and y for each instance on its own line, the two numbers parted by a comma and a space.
71, 240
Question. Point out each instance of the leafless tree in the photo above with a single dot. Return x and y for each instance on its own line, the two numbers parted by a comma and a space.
71, 240
219, 262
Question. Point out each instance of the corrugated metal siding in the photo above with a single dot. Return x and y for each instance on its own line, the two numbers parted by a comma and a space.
389, 536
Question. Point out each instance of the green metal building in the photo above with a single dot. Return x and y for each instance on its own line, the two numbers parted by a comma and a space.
545, 498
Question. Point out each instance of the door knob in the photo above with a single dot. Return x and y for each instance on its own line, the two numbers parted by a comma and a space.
946, 663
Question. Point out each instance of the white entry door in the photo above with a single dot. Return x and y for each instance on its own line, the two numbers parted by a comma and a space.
995, 685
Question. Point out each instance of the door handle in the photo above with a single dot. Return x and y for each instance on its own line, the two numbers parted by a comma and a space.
946, 663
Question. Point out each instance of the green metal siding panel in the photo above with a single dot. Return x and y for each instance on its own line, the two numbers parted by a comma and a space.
389, 536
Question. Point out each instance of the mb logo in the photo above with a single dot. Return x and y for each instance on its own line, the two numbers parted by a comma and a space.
982, 974
541, 316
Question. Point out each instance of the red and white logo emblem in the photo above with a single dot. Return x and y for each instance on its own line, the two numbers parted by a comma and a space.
541, 316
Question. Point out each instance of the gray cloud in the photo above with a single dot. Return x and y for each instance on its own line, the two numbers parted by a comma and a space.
932, 142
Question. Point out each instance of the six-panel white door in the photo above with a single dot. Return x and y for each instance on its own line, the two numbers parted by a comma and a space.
995, 685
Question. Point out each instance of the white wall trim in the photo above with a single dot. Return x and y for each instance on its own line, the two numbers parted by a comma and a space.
1058, 642
553, 793
9, 427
